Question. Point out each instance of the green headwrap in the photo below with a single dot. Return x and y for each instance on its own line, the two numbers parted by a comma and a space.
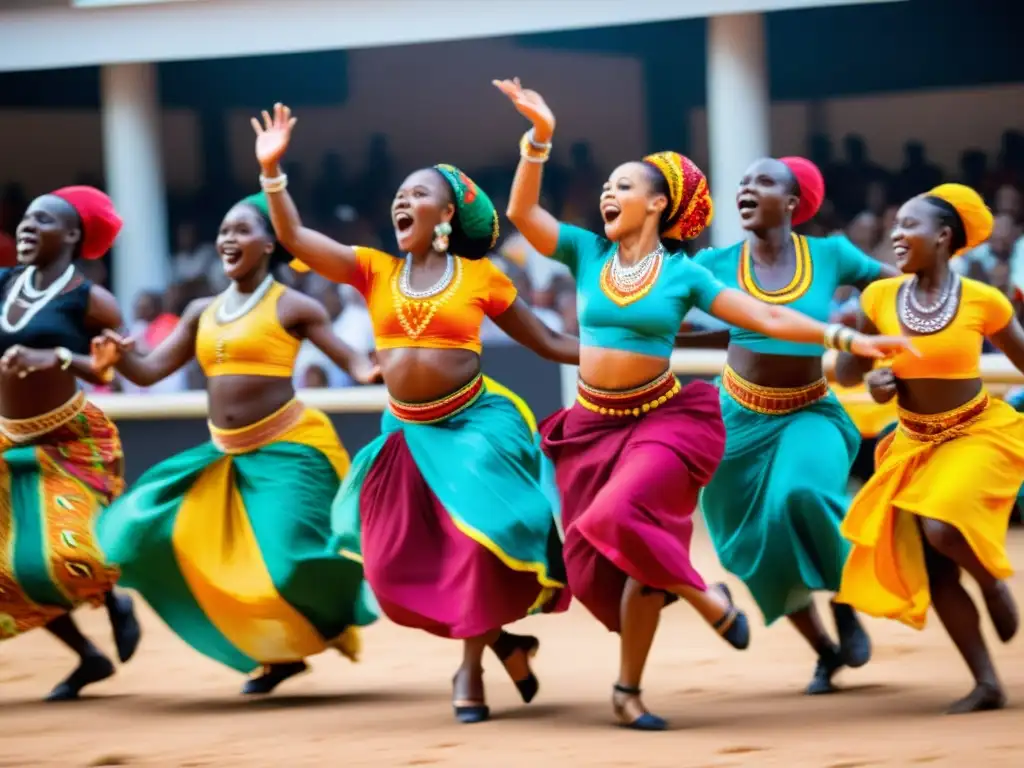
260, 203
475, 226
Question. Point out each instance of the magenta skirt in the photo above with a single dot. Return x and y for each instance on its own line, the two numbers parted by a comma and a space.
629, 488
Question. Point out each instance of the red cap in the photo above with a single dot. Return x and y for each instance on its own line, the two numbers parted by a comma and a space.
100, 222
812, 188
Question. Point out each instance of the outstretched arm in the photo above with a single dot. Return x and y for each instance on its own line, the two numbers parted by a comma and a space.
538, 226
850, 369
1010, 341
327, 257
170, 355
525, 328
308, 319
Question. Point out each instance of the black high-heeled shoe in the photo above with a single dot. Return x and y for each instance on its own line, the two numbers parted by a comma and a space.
273, 675
645, 722
468, 711
505, 647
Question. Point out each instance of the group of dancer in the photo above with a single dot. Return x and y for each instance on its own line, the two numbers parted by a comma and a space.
266, 545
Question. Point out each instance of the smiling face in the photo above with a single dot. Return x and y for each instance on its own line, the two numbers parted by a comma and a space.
422, 202
767, 195
920, 237
630, 199
244, 242
49, 227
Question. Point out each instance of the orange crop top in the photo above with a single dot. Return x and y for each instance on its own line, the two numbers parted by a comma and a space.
256, 344
449, 320
955, 351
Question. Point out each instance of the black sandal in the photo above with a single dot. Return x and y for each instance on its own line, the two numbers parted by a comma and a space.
468, 711
733, 626
645, 722
271, 676
505, 647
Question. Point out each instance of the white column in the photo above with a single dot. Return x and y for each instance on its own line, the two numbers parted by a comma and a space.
739, 131
135, 180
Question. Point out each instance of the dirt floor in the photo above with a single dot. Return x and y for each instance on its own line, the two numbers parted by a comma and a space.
171, 707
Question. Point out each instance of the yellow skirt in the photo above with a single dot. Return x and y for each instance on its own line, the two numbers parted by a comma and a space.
963, 467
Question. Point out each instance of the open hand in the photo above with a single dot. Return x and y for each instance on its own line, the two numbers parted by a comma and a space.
881, 384
881, 347
273, 135
21, 361
531, 106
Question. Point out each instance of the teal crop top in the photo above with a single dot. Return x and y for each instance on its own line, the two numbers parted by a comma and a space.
823, 264
648, 325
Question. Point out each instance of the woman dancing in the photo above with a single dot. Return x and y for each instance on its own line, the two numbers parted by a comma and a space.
774, 506
634, 450
452, 510
228, 541
61, 457
917, 522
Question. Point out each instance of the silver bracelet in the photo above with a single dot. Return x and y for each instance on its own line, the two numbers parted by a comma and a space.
536, 144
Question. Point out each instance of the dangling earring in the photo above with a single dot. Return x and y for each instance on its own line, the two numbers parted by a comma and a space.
441, 232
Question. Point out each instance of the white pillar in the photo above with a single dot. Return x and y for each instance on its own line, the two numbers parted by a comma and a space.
739, 131
135, 180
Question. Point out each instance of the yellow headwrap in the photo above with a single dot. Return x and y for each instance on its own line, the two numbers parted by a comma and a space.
975, 215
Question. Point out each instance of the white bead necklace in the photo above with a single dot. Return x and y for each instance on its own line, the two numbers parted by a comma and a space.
931, 319
628, 278
405, 285
34, 299
224, 316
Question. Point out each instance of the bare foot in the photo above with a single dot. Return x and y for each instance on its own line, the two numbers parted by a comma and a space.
984, 697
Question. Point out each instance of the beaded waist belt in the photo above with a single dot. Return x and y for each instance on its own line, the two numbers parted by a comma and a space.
438, 410
630, 402
773, 401
939, 427
259, 433
27, 430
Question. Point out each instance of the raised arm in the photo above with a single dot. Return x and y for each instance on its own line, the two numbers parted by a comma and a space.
538, 226
308, 319
525, 328
170, 355
327, 257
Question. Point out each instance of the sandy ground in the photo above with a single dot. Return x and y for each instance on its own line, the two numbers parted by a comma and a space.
171, 707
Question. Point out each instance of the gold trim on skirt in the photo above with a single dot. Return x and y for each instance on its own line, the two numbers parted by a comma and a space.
27, 430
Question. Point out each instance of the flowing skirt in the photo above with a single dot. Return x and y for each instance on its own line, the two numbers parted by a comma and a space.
775, 505
52, 488
453, 513
228, 543
964, 468
629, 478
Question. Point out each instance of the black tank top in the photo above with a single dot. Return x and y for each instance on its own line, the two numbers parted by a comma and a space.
60, 323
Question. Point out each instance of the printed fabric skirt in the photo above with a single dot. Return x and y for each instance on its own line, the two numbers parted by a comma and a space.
228, 542
629, 466
57, 472
775, 505
963, 467
453, 513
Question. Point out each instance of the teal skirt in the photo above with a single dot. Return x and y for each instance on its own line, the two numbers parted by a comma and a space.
774, 506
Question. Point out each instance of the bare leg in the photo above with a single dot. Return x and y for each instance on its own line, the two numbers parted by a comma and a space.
950, 543
960, 618
640, 613
808, 624
93, 667
468, 698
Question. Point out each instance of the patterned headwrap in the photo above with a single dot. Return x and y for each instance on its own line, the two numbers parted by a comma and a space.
812, 188
100, 223
689, 200
260, 203
475, 226
974, 214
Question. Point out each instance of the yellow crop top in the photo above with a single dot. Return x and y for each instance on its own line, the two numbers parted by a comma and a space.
449, 320
256, 344
955, 351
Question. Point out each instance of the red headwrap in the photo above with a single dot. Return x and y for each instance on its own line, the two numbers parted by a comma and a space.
812, 188
100, 222
689, 200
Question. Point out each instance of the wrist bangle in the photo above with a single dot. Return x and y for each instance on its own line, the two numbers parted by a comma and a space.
530, 152
538, 145
829, 340
65, 357
275, 184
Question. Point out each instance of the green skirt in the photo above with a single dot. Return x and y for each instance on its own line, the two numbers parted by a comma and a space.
231, 548
775, 504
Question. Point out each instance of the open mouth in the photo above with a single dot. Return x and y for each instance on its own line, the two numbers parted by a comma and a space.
901, 251
404, 221
747, 205
230, 255
610, 213
27, 244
